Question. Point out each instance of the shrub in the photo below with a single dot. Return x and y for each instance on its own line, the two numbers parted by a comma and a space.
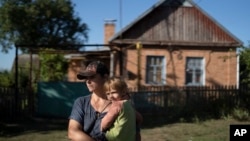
240, 114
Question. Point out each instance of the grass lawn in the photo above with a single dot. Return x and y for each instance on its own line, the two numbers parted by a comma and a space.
56, 130
211, 130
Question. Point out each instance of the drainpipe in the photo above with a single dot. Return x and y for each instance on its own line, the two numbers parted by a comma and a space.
138, 47
238, 70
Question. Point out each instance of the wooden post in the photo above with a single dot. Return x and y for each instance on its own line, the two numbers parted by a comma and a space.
30, 95
16, 83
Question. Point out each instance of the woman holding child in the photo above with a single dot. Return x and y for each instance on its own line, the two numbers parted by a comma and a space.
88, 111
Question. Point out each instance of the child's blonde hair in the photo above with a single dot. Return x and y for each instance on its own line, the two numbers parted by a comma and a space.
117, 84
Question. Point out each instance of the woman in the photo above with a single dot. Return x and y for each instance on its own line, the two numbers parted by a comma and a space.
87, 111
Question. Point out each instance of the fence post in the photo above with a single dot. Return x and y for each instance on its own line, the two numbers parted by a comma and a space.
16, 82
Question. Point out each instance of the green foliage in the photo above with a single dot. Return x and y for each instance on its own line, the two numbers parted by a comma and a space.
23, 76
40, 22
6, 79
240, 114
245, 65
53, 66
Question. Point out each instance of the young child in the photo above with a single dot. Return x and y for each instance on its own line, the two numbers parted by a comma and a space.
121, 113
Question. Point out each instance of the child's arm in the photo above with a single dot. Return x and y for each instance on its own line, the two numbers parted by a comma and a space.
110, 117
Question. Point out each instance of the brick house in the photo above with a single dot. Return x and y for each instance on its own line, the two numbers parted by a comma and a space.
174, 43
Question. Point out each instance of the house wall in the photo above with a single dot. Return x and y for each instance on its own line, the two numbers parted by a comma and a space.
75, 65
220, 65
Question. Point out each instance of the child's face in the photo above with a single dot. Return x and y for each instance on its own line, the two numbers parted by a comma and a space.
113, 95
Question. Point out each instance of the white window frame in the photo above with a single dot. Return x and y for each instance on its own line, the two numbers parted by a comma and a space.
151, 64
195, 66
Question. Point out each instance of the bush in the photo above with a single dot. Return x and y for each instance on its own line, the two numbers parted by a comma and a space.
240, 114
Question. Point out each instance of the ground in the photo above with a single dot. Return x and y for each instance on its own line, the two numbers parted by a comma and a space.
40, 129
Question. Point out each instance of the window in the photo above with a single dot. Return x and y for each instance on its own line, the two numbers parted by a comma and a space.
155, 70
194, 71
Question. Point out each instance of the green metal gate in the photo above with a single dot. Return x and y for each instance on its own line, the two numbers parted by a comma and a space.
55, 99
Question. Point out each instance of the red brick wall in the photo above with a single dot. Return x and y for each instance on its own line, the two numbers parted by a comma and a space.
220, 66
75, 65
109, 31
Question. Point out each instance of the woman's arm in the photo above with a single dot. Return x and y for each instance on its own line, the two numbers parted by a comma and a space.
75, 132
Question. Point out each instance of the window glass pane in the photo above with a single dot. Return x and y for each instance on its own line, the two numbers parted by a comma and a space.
197, 76
150, 73
155, 70
151, 60
189, 76
158, 77
194, 71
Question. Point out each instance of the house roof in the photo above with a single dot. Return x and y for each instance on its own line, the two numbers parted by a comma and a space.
24, 61
184, 3
217, 23
118, 34
83, 54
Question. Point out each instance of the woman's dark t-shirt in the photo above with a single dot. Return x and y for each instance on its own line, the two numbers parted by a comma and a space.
85, 114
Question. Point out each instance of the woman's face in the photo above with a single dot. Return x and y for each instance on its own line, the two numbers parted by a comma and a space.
95, 83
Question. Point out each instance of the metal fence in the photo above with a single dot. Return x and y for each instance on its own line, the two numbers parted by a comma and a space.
15, 103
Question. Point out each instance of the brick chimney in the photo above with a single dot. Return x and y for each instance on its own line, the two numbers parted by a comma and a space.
109, 30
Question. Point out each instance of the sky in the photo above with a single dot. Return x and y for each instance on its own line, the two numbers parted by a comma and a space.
234, 15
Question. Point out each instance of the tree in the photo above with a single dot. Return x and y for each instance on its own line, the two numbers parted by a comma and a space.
245, 65
55, 64
6, 79
40, 22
